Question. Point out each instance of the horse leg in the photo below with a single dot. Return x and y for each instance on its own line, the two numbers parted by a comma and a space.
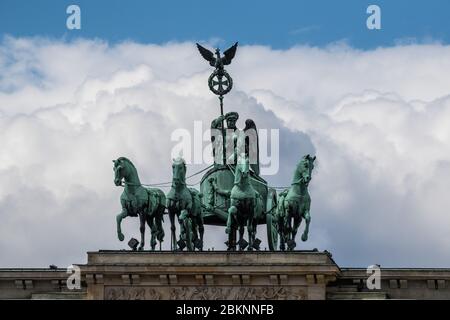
231, 229
195, 236
307, 217
241, 236
280, 213
288, 224
252, 223
282, 242
297, 221
250, 233
282, 232
119, 219
181, 221
201, 231
289, 234
158, 224
255, 225
231, 217
195, 232
172, 229
231, 243
142, 230
154, 231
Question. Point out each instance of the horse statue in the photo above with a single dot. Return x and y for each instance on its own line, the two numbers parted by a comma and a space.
245, 208
147, 203
185, 204
294, 203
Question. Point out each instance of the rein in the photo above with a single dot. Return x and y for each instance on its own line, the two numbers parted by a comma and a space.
168, 183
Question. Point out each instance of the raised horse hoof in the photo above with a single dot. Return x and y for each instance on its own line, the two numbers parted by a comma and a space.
304, 237
227, 230
121, 236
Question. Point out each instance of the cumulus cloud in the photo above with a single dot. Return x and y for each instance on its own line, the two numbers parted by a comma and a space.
377, 121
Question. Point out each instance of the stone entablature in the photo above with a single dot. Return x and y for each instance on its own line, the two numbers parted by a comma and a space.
208, 275
221, 275
36, 283
396, 283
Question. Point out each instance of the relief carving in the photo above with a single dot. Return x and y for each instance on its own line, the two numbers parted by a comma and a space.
179, 293
205, 293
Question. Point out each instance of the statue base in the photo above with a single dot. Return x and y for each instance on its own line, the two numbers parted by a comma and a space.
208, 275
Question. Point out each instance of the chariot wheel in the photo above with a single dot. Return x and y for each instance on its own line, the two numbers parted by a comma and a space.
271, 220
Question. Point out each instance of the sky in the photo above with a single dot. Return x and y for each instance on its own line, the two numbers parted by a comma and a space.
278, 24
373, 106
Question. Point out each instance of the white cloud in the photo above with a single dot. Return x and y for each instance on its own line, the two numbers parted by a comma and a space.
377, 120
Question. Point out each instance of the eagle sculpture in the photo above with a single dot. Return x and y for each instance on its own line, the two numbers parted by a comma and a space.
217, 61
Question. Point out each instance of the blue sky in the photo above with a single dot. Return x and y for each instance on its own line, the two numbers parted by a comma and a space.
279, 24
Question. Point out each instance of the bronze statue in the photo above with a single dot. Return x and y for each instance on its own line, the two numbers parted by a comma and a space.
231, 135
185, 204
148, 204
245, 209
218, 62
232, 192
246, 142
220, 83
294, 204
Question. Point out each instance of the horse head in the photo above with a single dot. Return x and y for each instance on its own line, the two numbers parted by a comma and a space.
305, 168
123, 169
178, 172
242, 169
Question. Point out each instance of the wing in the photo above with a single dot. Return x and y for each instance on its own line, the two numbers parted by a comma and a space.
208, 55
229, 54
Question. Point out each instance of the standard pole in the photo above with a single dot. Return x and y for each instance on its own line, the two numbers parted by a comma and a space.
224, 157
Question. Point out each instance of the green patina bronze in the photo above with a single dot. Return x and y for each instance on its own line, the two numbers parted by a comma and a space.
294, 204
219, 82
185, 204
137, 201
232, 193
245, 208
